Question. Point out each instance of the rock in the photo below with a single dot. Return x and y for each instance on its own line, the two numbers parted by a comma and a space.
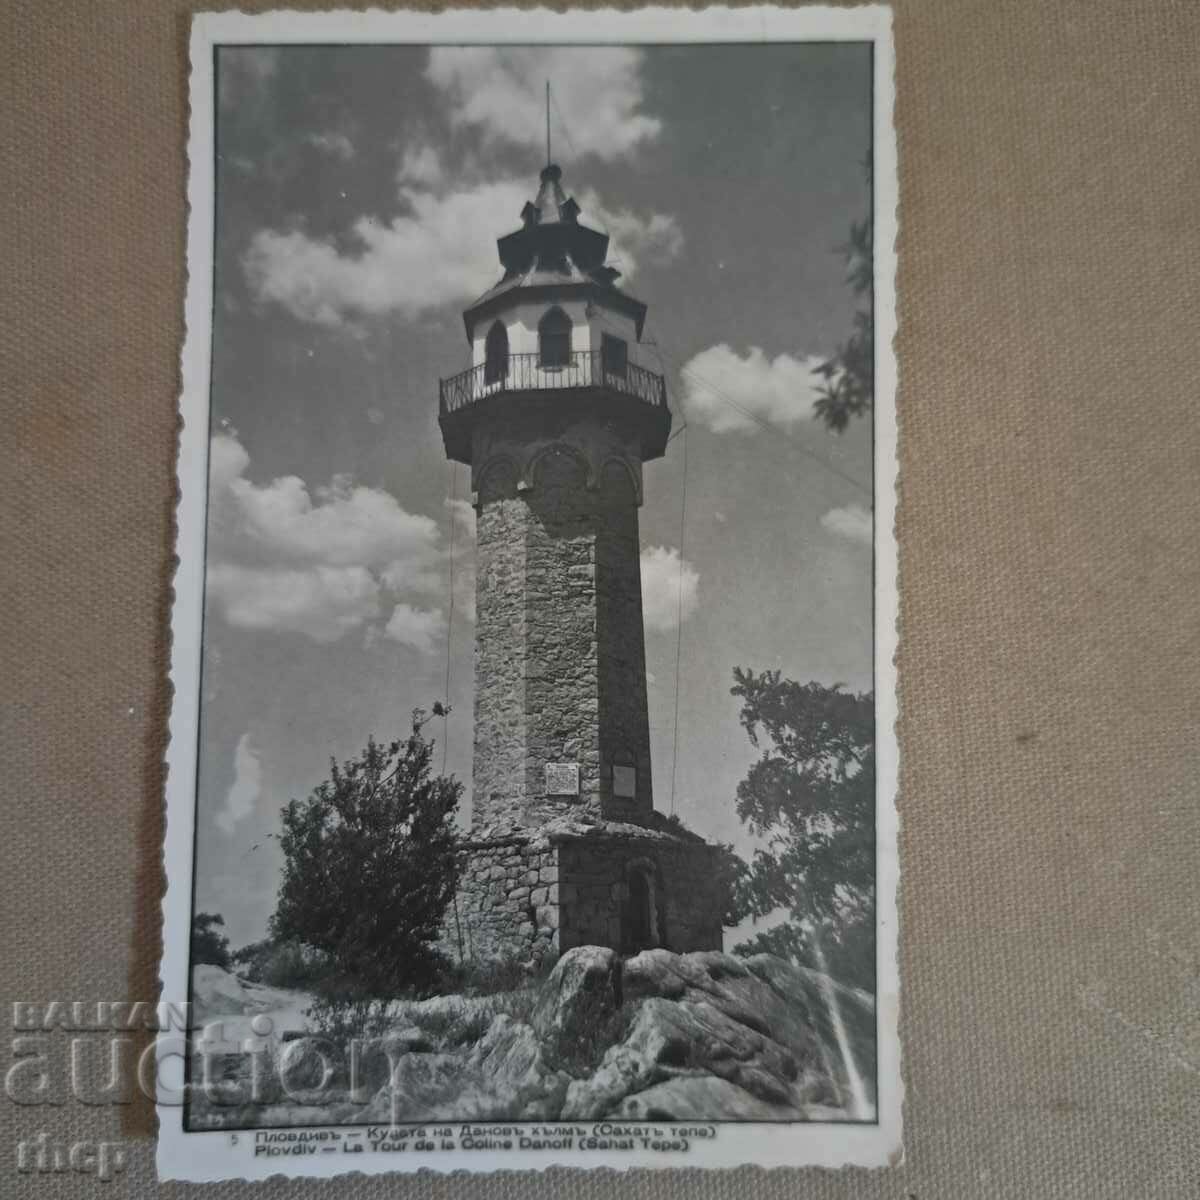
820, 993
773, 1001
503, 1076
509, 1052
669, 1038
697, 1098
751, 1029
409, 1038
582, 989
418, 1090
309, 1064
691, 1037
375, 1059
217, 993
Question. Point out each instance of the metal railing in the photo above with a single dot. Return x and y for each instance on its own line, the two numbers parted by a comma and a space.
525, 373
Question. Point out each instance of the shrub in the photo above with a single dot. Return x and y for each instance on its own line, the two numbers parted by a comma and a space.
343, 1012
370, 864
209, 944
452, 1027
285, 964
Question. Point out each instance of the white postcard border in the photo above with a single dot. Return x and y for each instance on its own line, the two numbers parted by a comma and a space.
224, 1155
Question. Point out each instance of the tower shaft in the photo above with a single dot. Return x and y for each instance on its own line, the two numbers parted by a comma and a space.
560, 671
556, 419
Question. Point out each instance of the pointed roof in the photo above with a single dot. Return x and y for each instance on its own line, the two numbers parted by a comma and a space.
550, 231
552, 250
551, 205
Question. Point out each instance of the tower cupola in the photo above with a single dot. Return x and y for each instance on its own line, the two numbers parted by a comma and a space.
555, 321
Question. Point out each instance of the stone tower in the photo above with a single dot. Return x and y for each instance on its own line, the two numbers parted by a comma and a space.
555, 418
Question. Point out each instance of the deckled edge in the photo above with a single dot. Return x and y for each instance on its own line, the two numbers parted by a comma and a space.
885, 213
500, 26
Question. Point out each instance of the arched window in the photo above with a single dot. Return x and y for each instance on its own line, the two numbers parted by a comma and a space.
554, 339
495, 363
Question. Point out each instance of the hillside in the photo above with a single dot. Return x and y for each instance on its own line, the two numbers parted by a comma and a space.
703, 1036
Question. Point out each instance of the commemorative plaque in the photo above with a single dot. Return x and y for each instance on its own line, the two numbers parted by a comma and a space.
562, 779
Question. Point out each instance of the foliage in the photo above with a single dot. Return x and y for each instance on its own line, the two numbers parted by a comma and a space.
810, 798
209, 945
370, 865
282, 964
493, 976
848, 377
453, 1027
343, 1013
732, 872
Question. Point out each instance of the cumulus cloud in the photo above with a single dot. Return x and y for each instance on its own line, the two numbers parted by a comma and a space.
462, 512
420, 165
597, 93
419, 629
723, 388
321, 602
440, 251
317, 562
443, 250
346, 525
663, 577
632, 239
246, 788
853, 522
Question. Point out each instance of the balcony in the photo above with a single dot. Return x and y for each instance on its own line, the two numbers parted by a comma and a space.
589, 381
583, 369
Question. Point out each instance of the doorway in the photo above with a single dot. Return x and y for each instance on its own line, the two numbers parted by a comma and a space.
640, 925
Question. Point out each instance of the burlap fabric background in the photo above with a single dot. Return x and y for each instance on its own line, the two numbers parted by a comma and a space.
1049, 355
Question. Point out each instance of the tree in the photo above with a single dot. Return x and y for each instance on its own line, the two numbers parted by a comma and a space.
810, 798
848, 387
281, 964
209, 945
370, 865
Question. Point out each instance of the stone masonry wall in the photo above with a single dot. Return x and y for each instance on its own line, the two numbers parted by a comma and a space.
499, 760
560, 652
562, 705
594, 893
621, 643
507, 903
527, 898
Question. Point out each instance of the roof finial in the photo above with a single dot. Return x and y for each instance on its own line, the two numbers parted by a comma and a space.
547, 122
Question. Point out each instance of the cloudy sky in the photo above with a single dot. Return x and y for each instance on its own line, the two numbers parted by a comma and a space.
360, 192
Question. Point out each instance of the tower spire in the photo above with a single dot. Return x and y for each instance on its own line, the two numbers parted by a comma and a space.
548, 122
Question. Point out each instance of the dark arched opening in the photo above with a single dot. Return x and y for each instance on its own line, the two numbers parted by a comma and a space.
554, 339
495, 363
639, 910
639, 915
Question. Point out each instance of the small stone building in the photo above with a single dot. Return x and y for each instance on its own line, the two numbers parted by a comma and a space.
555, 418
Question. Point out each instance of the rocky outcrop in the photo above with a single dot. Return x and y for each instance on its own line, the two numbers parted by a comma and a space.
505, 1075
584, 986
714, 1029
662, 1036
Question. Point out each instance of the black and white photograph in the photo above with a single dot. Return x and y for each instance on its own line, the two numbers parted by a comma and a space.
532, 761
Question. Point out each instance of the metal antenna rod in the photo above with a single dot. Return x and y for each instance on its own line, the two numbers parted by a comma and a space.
547, 122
